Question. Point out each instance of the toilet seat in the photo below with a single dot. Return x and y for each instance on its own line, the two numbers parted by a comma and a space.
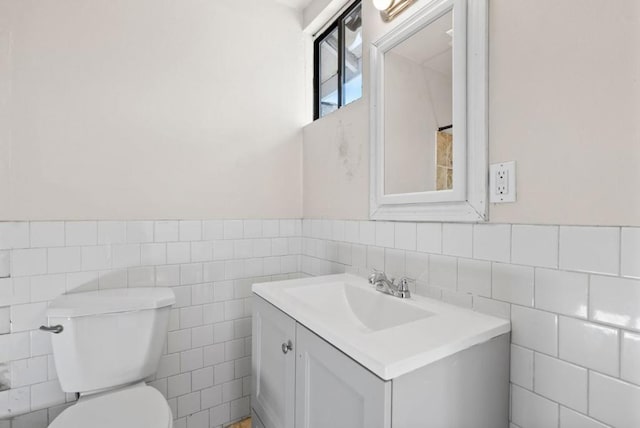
136, 407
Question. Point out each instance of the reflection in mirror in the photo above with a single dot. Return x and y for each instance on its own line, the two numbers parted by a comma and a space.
418, 111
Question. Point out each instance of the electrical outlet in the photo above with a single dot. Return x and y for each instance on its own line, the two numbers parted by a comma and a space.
502, 182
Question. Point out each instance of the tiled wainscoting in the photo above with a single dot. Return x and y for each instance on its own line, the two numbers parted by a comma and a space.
572, 294
210, 265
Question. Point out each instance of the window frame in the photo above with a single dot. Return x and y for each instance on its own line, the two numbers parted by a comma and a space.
339, 24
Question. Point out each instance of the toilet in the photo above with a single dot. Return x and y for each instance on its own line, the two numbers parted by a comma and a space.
105, 344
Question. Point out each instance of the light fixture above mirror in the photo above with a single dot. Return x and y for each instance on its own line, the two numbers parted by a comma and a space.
389, 9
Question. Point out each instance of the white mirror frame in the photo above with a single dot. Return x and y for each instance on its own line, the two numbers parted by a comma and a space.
467, 201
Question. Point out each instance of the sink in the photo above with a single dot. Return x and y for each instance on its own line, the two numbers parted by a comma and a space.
366, 310
387, 335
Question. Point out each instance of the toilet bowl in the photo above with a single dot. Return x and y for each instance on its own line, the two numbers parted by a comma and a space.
105, 344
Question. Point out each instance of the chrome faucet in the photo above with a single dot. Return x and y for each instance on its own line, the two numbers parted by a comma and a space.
385, 285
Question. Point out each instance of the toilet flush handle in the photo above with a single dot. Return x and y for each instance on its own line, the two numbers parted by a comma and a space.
55, 329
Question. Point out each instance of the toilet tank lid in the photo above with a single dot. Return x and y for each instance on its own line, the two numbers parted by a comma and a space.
110, 301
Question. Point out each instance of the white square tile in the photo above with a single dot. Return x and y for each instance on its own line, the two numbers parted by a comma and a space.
5, 325
47, 287
405, 236
562, 292
28, 317
201, 251
492, 242
630, 359
368, 233
112, 232
191, 230
589, 345
212, 229
139, 231
166, 231
457, 239
112, 279
5, 263
211, 397
572, 419
96, 257
126, 255
47, 234
19, 402
28, 372
191, 360
327, 229
178, 252
561, 382
443, 271
178, 341
492, 307
534, 329
613, 402
535, 245
179, 385
28, 262
201, 379
338, 230
385, 234
417, 266
375, 258
352, 231
46, 394
191, 273
168, 276
474, 276
65, 259
590, 249
512, 283
615, 301
82, 281
14, 235
394, 263
532, 411
252, 229
457, 298
270, 228
141, 276
631, 252
233, 229
522, 367
359, 256
153, 254
81, 233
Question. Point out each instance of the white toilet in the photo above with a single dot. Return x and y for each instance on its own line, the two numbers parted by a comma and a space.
105, 343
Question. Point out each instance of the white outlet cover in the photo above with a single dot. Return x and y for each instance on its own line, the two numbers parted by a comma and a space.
494, 169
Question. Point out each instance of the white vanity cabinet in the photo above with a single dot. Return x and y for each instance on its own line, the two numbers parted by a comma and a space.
301, 380
273, 366
324, 386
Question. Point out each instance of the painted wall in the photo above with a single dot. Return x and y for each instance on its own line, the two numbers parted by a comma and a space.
564, 103
150, 109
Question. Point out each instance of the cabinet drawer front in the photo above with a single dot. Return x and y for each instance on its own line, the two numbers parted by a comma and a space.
273, 367
334, 391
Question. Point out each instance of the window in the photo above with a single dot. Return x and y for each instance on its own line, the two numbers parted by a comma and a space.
337, 54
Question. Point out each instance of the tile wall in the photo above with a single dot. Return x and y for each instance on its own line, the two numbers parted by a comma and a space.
572, 294
210, 265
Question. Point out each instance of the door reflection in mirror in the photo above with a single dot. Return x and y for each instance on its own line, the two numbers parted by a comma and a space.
418, 111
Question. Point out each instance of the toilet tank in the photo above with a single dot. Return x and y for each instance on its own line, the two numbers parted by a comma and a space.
109, 338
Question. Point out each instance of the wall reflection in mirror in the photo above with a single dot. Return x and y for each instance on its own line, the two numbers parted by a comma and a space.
418, 111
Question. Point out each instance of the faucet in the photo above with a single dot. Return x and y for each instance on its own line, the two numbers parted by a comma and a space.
385, 285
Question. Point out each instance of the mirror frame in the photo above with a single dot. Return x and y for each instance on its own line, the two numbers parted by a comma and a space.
467, 201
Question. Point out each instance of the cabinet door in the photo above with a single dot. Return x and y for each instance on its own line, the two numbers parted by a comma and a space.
273, 366
334, 391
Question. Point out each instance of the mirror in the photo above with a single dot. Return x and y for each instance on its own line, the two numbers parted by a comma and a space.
418, 102
428, 115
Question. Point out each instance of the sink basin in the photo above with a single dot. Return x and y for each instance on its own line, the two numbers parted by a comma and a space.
387, 335
361, 308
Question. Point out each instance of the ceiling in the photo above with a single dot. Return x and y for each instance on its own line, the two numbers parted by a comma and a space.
296, 4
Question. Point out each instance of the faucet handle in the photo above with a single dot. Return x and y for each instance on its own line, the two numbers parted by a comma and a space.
403, 287
376, 276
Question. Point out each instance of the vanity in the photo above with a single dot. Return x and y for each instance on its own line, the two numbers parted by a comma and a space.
331, 351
